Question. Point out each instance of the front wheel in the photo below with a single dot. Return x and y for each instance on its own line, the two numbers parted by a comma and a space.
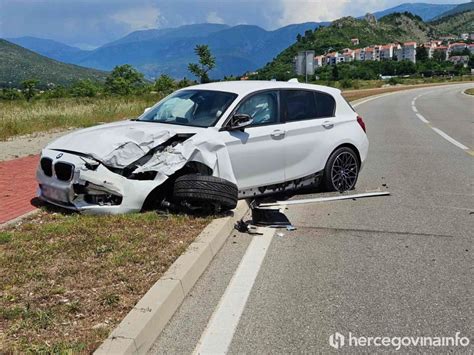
205, 193
341, 171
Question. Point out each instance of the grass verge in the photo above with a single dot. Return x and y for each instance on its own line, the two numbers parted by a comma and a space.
68, 280
470, 91
21, 117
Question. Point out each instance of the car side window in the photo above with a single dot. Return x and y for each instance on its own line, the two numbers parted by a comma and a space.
299, 105
325, 105
262, 107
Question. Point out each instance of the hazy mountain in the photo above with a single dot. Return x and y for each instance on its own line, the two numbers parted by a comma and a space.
18, 64
469, 6
425, 11
49, 48
187, 31
238, 49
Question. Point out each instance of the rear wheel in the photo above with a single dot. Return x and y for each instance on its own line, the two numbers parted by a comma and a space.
205, 193
341, 171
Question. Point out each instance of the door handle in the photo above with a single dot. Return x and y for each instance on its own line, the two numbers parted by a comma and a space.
278, 133
328, 125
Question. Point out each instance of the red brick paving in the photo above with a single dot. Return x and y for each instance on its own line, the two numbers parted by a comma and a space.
17, 187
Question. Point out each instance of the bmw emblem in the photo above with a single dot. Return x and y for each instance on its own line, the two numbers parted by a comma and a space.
59, 155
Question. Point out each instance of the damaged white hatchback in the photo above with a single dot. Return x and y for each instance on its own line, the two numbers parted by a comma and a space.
205, 147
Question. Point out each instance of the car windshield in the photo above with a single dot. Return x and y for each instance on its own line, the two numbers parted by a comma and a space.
199, 108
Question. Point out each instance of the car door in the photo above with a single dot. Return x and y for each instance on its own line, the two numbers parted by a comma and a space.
256, 153
309, 126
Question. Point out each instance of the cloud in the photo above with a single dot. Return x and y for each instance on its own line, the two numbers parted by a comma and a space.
213, 17
143, 17
298, 11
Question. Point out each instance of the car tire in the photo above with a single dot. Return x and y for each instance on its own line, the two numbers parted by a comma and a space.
341, 170
205, 192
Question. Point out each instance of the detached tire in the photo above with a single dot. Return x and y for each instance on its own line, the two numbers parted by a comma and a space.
206, 191
341, 171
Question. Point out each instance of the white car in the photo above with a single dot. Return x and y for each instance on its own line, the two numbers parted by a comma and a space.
208, 146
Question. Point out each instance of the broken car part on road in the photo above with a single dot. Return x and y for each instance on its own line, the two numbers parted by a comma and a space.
271, 214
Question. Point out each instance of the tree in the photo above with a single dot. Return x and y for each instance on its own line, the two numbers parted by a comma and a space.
422, 54
165, 84
124, 80
439, 56
11, 94
185, 83
207, 62
29, 88
335, 72
84, 88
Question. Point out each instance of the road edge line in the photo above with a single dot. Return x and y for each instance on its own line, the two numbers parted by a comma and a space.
143, 324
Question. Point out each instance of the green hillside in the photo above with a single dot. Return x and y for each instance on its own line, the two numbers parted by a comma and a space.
468, 6
18, 64
462, 22
392, 28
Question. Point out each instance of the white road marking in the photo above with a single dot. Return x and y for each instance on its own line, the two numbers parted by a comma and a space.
437, 130
422, 118
450, 139
220, 330
372, 98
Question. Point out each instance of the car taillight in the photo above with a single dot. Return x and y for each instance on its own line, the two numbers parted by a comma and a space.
361, 123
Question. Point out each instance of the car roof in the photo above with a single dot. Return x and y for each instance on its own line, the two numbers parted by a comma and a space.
245, 87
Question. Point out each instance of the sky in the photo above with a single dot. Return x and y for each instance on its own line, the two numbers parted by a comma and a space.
90, 23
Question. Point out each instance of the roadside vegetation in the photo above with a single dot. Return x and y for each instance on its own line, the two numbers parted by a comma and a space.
69, 279
470, 91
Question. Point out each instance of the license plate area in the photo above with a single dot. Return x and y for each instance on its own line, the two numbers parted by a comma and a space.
55, 194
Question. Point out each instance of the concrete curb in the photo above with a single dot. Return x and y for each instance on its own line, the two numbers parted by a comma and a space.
143, 324
19, 218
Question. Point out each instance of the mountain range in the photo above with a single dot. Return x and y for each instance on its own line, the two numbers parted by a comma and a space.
154, 52
18, 64
238, 49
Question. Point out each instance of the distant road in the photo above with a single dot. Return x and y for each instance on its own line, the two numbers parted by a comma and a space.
389, 266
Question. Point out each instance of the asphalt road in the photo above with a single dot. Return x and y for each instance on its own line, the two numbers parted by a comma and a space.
382, 267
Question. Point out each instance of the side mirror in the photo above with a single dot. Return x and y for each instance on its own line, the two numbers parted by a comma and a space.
147, 109
239, 122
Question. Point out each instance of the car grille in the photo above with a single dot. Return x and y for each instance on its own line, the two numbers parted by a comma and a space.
47, 166
64, 171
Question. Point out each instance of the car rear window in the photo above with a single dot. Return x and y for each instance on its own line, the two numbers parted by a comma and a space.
325, 105
305, 104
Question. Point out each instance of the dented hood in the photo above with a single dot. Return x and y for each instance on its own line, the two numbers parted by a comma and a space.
121, 143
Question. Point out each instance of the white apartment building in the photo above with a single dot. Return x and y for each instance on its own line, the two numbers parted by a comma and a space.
406, 52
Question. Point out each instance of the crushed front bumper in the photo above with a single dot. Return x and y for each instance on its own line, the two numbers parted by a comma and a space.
89, 189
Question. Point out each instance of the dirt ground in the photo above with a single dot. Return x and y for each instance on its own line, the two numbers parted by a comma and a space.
32, 144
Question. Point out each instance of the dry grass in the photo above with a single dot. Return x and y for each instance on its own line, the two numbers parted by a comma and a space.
353, 95
21, 117
470, 91
68, 280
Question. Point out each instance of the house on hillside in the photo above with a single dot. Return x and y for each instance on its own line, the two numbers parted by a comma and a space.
369, 54
459, 59
406, 52
355, 41
386, 51
457, 47
319, 61
359, 54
